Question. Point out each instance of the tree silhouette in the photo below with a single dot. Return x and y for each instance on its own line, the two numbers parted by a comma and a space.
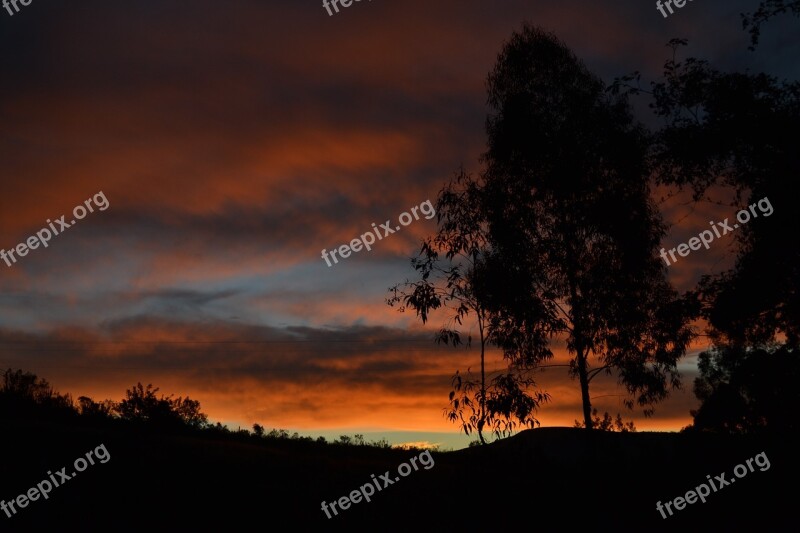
88, 407
28, 386
142, 405
748, 391
188, 412
453, 275
573, 230
739, 131
23, 392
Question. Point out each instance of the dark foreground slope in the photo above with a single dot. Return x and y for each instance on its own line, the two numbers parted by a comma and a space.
547, 479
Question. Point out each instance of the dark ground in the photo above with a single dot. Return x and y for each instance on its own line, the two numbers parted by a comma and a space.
549, 479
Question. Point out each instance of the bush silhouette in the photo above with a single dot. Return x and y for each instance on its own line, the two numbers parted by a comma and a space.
142, 405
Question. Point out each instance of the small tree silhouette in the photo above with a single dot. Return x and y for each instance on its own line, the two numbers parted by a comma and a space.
454, 277
142, 405
88, 407
21, 392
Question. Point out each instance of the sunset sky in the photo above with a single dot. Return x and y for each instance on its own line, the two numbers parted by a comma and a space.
234, 141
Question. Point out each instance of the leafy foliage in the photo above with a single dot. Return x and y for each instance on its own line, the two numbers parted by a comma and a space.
739, 131
507, 404
748, 391
456, 276
766, 10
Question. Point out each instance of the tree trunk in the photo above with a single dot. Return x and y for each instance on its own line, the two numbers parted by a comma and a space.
581, 350
483, 384
583, 374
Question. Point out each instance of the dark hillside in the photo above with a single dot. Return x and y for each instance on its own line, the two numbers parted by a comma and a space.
195, 481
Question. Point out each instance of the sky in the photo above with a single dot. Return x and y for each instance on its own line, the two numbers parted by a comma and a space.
223, 145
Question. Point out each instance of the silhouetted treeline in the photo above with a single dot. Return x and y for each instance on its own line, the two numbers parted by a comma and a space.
748, 391
25, 396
